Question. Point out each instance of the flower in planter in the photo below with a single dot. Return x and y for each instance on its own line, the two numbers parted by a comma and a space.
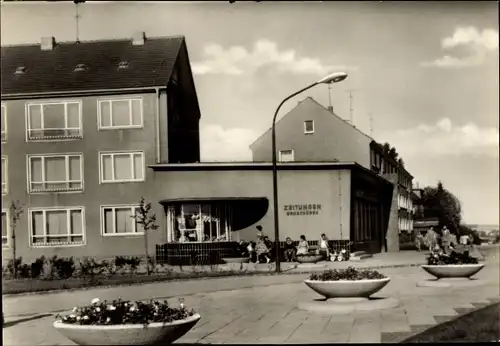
347, 274
125, 312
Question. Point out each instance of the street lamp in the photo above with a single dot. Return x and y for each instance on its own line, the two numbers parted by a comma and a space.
332, 78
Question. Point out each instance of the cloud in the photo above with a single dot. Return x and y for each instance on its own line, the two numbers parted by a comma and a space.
446, 138
237, 60
478, 45
219, 144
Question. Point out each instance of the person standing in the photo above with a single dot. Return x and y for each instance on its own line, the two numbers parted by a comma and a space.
289, 250
418, 241
324, 248
431, 239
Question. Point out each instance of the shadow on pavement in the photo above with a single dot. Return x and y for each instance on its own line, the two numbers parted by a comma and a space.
22, 320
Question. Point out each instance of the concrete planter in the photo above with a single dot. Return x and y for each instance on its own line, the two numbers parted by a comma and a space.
347, 288
453, 270
127, 334
309, 258
236, 259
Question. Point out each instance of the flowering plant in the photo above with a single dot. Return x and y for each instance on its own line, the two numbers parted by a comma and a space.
125, 312
453, 258
346, 274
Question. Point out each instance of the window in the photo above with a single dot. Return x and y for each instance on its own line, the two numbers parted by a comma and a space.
56, 227
3, 121
56, 173
199, 223
54, 120
5, 229
5, 169
286, 155
122, 167
120, 114
309, 126
118, 220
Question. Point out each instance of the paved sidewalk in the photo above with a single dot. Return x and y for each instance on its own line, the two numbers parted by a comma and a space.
262, 309
268, 314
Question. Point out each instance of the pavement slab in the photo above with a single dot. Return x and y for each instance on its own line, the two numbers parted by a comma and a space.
233, 311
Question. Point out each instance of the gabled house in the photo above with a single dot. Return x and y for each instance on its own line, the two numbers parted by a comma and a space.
311, 132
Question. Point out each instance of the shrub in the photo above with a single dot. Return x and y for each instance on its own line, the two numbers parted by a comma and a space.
37, 267
346, 274
125, 312
91, 267
122, 263
453, 258
63, 267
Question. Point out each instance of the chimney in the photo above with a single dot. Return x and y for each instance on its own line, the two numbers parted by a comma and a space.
48, 43
139, 38
330, 109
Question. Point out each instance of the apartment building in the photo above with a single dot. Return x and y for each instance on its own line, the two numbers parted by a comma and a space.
383, 164
312, 132
80, 123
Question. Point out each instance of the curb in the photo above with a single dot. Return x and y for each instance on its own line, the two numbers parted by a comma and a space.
290, 271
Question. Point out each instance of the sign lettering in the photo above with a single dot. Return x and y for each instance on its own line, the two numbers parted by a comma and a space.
302, 209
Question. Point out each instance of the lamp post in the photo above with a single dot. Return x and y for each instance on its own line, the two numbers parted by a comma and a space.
332, 78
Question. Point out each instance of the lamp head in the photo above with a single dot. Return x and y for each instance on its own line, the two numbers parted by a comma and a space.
333, 78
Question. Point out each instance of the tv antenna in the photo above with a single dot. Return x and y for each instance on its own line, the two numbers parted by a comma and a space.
371, 124
351, 108
330, 107
77, 18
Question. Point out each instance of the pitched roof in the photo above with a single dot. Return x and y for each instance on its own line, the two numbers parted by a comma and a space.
320, 106
149, 65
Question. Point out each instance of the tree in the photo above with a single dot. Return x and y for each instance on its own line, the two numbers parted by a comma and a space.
146, 217
442, 204
16, 209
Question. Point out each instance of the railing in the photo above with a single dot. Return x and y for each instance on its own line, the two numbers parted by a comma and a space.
51, 134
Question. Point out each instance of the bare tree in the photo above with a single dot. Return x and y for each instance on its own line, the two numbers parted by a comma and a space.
16, 209
146, 217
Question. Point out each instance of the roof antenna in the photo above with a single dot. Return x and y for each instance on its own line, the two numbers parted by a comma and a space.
351, 109
330, 107
77, 17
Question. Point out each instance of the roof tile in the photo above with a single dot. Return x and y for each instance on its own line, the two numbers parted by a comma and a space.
150, 65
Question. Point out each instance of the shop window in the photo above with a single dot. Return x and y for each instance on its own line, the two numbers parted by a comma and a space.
189, 223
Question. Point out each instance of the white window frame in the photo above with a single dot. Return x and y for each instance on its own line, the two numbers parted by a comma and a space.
9, 235
281, 155
66, 128
102, 154
132, 207
113, 127
68, 220
305, 127
4, 122
5, 162
68, 181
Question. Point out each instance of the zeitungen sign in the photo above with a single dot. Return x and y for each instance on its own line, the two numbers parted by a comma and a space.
302, 209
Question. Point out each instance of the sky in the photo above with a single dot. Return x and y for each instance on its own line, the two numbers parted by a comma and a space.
423, 76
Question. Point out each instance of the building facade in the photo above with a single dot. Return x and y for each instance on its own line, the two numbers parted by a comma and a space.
80, 123
311, 132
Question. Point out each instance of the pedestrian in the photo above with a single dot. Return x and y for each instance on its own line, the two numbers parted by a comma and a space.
324, 247
431, 239
289, 250
261, 250
419, 240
